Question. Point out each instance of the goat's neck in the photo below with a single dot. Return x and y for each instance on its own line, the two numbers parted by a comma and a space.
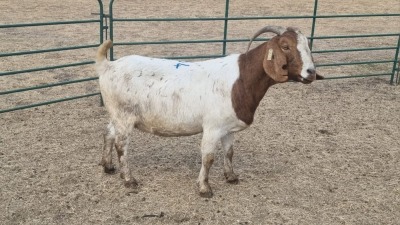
251, 85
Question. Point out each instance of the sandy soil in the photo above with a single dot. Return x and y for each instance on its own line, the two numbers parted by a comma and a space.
325, 153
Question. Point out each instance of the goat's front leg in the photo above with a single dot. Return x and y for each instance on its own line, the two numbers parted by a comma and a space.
121, 145
208, 147
109, 140
227, 145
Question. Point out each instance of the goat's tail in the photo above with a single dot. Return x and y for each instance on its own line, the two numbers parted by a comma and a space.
102, 51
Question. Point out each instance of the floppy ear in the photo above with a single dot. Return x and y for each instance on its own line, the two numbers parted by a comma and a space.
275, 63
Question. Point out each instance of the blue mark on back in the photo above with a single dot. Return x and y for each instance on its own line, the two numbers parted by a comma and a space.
180, 64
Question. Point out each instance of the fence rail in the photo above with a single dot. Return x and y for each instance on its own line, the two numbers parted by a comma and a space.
47, 50
104, 19
249, 18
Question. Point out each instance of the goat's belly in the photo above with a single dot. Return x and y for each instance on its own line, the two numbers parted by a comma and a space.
167, 129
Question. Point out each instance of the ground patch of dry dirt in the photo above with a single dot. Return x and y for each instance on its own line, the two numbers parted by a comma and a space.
325, 153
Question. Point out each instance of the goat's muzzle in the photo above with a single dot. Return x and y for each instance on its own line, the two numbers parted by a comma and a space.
305, 81
312, 75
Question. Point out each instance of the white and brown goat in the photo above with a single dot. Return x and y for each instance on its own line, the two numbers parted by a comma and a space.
217, 97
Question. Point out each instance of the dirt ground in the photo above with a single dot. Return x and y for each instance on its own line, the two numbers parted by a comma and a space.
325, 153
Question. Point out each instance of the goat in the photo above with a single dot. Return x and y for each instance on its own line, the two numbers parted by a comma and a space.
217, 97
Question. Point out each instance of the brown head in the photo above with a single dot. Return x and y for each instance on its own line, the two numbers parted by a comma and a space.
287, 55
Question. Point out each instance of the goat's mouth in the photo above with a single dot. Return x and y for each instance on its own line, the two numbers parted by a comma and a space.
305, 81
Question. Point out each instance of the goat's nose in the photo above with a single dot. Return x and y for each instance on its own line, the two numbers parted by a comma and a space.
311, 71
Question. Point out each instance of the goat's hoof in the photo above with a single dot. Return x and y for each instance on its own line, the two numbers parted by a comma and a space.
131, 184
231, 178
206, 194
109, 169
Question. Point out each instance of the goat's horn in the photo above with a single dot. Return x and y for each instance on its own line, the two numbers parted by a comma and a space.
274, 29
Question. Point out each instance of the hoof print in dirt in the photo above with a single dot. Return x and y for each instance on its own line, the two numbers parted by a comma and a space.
131, 184
232, 180
132, 192
208, 194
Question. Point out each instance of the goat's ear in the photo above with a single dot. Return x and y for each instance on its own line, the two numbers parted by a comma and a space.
275, 63
319, 77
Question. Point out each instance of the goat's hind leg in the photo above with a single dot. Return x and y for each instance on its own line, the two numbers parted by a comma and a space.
121, 146
109, 140
227, 145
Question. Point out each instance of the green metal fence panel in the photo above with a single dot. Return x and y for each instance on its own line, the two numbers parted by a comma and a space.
102, 27
312, 37
103, 19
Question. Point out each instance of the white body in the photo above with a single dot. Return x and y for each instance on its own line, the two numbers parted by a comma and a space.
168, 97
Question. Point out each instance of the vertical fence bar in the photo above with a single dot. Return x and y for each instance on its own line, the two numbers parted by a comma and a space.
313, 23
397, 74
111, 18
225, 27
101, 12
396, 58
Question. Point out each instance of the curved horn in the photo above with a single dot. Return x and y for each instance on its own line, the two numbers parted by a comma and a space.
274, 29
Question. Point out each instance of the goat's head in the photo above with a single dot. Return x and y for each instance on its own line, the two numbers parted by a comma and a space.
288, 56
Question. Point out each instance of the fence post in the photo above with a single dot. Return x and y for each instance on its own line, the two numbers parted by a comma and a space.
313, 23
111, 17
101, 35
101, 13
396, 58
225, 27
